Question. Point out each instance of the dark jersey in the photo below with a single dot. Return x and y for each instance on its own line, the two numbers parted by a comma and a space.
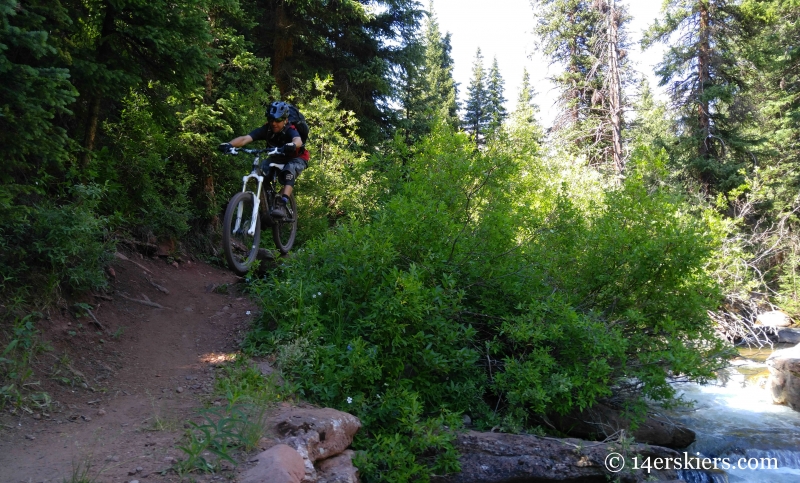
279, 139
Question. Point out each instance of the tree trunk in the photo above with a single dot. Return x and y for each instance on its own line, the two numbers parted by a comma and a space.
93, 112
283, 46
703, 79
615, 88
90, 135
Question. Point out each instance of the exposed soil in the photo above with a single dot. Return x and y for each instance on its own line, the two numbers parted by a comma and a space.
122, 391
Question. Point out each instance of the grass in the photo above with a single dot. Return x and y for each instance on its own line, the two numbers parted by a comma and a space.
82, 472
158, 422
236, 426
22, 346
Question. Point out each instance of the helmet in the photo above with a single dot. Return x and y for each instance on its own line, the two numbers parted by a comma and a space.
278, 110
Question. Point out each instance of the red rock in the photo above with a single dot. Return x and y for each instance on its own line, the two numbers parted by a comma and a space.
334, 429
338, 469
316, 434
279, 464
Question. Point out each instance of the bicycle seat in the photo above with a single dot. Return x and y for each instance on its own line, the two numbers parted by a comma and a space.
276, 165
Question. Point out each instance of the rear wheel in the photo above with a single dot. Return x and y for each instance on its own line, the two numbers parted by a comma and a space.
285, 231
241, 247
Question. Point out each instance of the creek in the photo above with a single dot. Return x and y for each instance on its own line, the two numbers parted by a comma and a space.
736, 419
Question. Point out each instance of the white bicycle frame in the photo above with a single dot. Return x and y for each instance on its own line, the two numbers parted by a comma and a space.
253, 175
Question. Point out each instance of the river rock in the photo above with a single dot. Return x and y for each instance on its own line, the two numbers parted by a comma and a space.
279, 464
600, 422
507, 458
774, 318
788, 336
784, 376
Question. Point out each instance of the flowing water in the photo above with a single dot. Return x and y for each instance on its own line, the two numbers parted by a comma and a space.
738, 421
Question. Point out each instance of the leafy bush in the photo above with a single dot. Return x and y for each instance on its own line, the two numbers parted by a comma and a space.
47, 246
487, 286
22, 345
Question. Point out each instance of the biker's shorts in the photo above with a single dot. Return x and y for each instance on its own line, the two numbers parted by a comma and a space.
291, 169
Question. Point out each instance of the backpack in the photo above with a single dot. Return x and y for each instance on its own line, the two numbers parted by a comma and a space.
297, 119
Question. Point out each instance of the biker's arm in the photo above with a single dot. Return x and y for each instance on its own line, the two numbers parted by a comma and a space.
242, 141
297, 141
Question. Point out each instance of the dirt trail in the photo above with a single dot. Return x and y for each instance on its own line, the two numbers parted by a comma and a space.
121, 395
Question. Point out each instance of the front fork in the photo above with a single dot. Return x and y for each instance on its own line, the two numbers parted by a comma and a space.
256, 203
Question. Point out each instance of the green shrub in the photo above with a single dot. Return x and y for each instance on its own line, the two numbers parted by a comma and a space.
494, 284
47, 246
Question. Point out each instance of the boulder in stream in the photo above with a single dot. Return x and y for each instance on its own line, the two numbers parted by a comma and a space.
784, 376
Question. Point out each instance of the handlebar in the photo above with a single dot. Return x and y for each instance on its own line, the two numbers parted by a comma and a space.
268, 151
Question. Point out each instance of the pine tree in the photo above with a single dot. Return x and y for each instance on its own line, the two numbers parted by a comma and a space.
565, 31
426, 86
478, 109
587, 38
32, 93
703, 71
526, 109
442, 88
115, 46
523, 120
495, 88
358, 43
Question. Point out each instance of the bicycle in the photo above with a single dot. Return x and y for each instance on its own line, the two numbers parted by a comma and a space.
241, 235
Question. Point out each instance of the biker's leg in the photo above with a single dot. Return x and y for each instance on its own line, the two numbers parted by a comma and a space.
291, 171
287, 177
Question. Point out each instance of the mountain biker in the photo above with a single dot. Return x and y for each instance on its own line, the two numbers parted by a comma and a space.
278, 133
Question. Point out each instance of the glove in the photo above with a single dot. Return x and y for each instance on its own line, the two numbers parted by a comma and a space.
289, 149
225, 148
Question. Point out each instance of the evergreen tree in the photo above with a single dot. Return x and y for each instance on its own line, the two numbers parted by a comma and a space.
587, 39
112, 47
703, 70
523, 123
358, 43
526, 109
478, 109
565, 30
495, 88
427, 89
32, 92
442, 88
775, 88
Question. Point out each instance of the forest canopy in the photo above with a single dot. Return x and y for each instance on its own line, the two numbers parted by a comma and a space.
455, 256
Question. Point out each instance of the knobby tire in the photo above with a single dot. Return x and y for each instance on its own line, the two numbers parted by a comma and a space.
285, 231
240, 248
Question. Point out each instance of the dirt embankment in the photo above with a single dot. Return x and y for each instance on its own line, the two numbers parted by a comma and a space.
123, 386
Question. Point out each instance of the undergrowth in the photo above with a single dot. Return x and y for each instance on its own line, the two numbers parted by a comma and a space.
236, 426
495, 284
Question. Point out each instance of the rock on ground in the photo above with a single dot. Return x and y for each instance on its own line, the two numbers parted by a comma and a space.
507, 458
279, 464
774, 318
338, 469
788, 336
784, 376
316, 434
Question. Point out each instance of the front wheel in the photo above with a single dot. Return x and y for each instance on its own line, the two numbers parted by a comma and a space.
284, 231
239, 245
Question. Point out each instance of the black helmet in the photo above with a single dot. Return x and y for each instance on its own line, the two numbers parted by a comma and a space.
278, 110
